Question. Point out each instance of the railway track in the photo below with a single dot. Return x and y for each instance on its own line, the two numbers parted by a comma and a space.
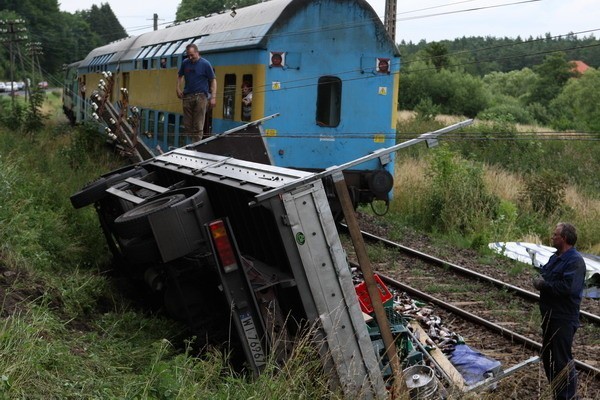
525, 294
447, 271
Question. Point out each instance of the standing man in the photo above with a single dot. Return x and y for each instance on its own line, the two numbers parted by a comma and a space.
561, 290
199, 91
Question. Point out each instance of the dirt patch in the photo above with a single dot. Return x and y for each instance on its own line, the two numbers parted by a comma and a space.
14, 294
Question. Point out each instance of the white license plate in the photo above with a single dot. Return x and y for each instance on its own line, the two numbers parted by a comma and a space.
254, 343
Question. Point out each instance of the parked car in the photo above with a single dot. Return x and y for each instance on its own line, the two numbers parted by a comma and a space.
2, 87
43, 85
20, 85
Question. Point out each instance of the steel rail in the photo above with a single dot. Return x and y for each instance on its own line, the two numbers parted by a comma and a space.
513, 336
465, 271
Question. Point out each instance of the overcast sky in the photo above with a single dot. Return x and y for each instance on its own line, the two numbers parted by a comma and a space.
417, 19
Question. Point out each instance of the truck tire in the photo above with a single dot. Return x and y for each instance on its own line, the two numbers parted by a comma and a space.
96, 190
134, 223
90, 193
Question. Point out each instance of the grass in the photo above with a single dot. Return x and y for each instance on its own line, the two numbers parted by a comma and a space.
66, 329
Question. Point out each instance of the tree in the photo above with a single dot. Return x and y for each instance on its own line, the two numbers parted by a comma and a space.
553, 74
578, 105
196, 8
438, 55
104, 23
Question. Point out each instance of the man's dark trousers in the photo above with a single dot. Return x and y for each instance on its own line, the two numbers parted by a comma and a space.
556, 355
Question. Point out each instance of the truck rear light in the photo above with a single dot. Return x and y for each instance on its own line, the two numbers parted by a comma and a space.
223, 245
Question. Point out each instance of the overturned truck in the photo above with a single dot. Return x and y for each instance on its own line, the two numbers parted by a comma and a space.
188, 224
222, 241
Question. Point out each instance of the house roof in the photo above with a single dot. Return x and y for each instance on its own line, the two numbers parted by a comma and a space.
580, 66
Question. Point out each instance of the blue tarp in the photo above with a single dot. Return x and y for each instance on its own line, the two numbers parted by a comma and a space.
472, 365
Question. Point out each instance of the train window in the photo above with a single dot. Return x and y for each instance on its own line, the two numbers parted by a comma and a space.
160, 131
161, 49
144, 53
180, 128
329, 101
171, 130
229, 96
247, 94
151, 122
171, 47
144, 122
181, 48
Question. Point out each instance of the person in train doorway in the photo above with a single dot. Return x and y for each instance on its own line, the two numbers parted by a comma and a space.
561, 290
198, 93
246, 101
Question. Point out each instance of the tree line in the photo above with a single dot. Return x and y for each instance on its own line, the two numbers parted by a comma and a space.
530, 82
483, 55
64, 37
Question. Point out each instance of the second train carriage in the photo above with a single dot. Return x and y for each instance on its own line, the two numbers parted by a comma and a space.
327, 67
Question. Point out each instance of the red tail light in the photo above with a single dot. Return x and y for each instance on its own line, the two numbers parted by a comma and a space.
223, 245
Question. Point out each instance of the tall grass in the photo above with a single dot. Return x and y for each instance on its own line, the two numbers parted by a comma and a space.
465, 187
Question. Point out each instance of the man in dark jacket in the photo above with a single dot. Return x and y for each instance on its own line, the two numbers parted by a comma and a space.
561, 290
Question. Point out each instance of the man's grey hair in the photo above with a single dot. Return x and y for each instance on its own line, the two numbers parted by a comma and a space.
568, 232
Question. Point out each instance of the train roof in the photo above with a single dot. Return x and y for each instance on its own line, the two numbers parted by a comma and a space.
248, 28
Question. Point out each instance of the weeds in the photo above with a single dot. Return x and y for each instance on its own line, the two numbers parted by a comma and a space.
450, 192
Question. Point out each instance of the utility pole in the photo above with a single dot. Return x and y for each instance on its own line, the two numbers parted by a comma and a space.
12, 31
155, 18
390, 18
34, 49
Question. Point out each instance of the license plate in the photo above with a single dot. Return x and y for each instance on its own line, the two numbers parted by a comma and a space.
254, 343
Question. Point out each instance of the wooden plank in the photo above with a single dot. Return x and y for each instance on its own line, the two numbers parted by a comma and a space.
438, 356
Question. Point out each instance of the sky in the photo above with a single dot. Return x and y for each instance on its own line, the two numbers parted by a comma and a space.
431, 20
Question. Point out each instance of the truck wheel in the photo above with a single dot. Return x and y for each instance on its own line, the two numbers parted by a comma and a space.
96, 190
90, 193
134, 223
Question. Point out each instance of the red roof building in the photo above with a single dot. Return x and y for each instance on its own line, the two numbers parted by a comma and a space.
580, 66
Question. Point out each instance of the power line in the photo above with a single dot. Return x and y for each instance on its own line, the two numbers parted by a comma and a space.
467, 10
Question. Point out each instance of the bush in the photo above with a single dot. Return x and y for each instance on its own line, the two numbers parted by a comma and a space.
545, 192
426, 110
457, 200
454, 92
509, 110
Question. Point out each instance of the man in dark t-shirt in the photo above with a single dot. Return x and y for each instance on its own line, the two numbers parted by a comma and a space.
199, 91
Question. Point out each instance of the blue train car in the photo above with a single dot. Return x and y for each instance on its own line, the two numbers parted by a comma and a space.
328, 67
